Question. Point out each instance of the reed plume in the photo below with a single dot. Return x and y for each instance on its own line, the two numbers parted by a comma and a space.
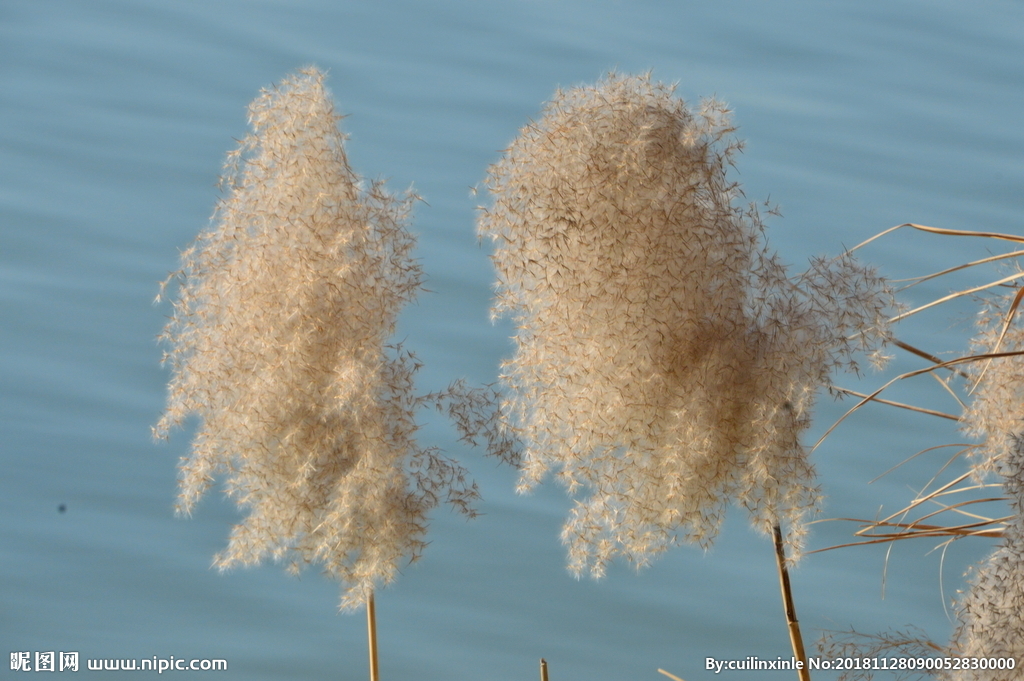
666, 362
991, 613
277, 344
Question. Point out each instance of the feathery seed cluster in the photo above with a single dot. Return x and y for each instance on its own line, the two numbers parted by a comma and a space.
992, 611
665, 361
277, 344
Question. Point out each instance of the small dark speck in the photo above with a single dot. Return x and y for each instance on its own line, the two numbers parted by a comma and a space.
62, 508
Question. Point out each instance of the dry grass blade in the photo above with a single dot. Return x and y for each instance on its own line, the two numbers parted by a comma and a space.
948, 488
940, 230
925, 355
983, 521
984, 527
919, 531
910, 374
966, 232
957, 294
945, 490
923, 451
900, 405
966, 265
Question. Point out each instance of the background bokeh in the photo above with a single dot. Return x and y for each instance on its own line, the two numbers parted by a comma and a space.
114, 119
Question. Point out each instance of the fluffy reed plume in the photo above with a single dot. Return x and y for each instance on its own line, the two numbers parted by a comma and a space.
992, 611
666, 362
277, 345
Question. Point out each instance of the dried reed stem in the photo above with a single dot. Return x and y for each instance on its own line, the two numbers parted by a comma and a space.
787, 603
371, 633
543, 669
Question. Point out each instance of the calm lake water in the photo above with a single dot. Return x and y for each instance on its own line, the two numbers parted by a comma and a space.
116, 115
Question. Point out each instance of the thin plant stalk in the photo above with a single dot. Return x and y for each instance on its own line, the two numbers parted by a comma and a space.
371, 633
543, 669
795, 638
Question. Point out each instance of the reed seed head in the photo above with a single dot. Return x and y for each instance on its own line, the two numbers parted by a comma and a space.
277, 344
991, 613
666, 362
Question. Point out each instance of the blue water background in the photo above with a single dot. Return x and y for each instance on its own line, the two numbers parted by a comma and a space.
114, 120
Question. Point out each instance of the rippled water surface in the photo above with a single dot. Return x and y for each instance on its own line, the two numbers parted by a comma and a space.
115, 119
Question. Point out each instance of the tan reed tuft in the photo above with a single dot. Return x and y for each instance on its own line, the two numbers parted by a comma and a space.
666, 361
991, 613
278, 346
